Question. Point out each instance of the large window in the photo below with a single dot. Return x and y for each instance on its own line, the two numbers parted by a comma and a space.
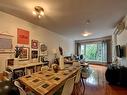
94, 51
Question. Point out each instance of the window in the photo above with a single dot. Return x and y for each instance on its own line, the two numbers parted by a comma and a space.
94, 51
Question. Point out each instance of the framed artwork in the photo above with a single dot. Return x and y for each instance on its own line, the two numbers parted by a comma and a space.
24, 54
34, 44
6, 45
34, 54
43, 50
22, 36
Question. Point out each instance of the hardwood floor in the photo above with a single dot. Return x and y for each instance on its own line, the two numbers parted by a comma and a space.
96, 84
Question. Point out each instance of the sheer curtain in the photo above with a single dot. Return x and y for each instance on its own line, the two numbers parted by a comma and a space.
104, 51
94, 51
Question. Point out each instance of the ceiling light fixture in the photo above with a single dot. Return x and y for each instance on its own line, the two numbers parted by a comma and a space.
86, 34
38, 11
87, 22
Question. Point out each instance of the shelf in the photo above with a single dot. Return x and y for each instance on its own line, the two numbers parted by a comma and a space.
6, 52
6, 35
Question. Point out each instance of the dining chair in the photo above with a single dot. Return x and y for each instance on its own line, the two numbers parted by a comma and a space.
76, 63
85, 73
44, 68
77, 83
7, 76
22, 92
78, 77
68, 86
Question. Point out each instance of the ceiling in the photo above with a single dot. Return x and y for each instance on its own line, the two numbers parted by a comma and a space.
69, 17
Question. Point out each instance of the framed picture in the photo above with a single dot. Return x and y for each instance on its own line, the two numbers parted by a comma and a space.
43, 50
22, 36
24, 54
34, 54
34, 44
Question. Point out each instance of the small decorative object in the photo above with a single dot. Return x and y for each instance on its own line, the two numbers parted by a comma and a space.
43, 49
116, 61
61, 61
34, 44
56, 61
60, 50
18, 50
55, 68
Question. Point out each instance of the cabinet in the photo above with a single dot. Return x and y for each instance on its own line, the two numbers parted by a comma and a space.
24, 69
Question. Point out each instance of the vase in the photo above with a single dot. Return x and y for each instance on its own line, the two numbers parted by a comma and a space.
55, 68
61, 62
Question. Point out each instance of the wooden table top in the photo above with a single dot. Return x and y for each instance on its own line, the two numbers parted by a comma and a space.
46, 82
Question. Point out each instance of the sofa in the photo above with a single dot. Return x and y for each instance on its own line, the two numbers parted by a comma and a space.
116, 74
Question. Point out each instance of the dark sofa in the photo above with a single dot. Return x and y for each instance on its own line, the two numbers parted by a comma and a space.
116, 74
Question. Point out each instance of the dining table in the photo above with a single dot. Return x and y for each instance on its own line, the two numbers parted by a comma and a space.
47, 82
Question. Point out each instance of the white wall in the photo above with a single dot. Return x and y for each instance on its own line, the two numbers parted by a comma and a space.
122, 40
9, 25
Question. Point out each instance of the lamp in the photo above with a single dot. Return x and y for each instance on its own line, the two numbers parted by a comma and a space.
85, 33
38, 11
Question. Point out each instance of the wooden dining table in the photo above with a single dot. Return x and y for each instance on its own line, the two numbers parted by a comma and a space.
47, 82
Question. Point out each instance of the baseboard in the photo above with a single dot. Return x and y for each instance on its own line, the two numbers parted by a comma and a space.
98, 64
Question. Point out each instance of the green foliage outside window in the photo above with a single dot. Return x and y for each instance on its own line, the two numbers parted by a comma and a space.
94, 52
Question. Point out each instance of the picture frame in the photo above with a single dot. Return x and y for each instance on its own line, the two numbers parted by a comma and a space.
23, 36
34, 54
43, 50
24, 54
34, 44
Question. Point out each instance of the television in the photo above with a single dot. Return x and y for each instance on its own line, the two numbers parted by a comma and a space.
119, 51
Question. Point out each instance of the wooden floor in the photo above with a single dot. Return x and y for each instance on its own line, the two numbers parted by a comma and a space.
96, 84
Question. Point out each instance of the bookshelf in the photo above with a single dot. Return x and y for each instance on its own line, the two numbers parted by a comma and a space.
24, 69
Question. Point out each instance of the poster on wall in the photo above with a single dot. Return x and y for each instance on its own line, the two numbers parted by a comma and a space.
43, 50
22, 36
6, 43
34, 54
24, 54
34, 44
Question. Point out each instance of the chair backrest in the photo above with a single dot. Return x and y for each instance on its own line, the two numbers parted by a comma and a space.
44, 68
68, 86
7, 76
76, 63
22, 92
78, 76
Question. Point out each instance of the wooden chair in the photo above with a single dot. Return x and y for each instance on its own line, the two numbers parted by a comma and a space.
78, 77
22, 92
77, 83
76, 63
67, 88
85, 73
